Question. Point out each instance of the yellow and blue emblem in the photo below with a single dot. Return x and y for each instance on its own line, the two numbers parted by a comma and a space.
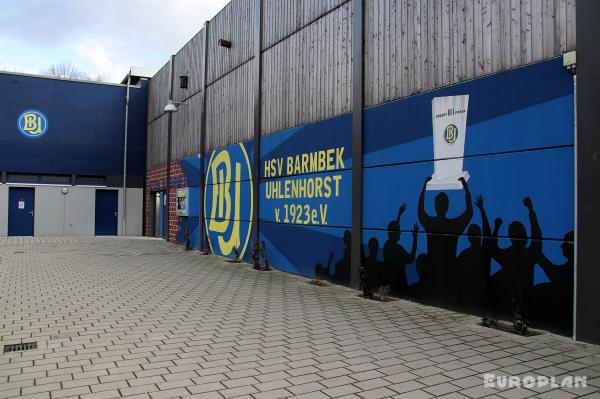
228, 200
32, 124
451, 134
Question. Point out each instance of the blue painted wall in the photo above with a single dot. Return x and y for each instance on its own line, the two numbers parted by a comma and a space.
86, 126
519, 155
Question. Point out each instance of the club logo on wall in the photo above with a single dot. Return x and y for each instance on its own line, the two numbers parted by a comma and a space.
32, 124
228, 200
449, 115
451, 133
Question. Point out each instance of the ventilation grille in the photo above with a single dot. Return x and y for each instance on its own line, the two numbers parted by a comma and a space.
21, 178
26, 346
91, 181
38, 179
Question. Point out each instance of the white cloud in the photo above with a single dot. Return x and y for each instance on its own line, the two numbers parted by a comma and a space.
100, 37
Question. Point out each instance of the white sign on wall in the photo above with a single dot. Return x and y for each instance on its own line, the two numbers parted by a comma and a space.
449, 116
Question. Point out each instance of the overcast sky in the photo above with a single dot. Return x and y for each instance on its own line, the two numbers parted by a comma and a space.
98, 36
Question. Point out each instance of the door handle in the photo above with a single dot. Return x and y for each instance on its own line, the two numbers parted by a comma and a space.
116, 214
31, 213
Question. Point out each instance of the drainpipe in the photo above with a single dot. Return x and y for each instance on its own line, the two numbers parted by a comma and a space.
169, 134
124, 213
575, 208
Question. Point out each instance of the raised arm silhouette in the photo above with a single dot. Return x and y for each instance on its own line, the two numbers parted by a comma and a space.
555, 299
395, 257
518, 262
471, 263
438, 267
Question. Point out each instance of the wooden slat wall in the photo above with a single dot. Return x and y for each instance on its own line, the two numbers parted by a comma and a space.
229, 108
188, 62
410, 46
156, 147
280, 19
312, 9
416, 45
186, 129
236, 24
283, 17
308, 76
158, 92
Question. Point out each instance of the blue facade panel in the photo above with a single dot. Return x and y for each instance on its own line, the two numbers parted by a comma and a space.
85, 133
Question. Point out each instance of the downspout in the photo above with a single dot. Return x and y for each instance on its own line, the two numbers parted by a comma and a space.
575, 207
169, 134
124, 213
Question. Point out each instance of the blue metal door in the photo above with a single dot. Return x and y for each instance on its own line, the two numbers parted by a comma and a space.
21, 210
107, 212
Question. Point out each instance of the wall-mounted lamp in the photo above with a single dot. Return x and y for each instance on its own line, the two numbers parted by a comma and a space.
183, 82
570, 61
172, 106
224, 43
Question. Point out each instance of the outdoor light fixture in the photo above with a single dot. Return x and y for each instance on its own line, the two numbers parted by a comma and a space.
172, 106
570, 61
224, 43
183, 82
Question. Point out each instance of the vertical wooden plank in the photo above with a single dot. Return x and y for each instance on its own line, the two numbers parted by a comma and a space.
560, 24
537, 36
410, 32
469, 40
378, 64
478, 37
320, 64
431, 74
378, 52
446, 42
454, 41
515, 33
382, 60
334, 81
424, 39
461, 40
487, 36
505, 60
439, 59
548, 17
571, 25
391, 46
404, 48
368, 49
526, 34
398, 70
418, 63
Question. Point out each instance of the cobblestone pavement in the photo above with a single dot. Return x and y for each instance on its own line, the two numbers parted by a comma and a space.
140, 318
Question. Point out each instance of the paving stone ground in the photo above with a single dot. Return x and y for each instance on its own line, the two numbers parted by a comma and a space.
140, 318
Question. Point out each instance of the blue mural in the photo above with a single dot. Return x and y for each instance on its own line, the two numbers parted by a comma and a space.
467, 197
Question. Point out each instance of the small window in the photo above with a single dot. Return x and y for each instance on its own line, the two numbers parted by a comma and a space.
183, 82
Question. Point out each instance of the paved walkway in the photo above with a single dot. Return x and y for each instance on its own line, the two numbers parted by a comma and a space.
140, 318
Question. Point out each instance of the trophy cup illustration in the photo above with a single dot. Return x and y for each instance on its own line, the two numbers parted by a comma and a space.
449, 117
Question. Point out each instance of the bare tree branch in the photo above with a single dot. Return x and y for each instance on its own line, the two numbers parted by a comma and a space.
67, 70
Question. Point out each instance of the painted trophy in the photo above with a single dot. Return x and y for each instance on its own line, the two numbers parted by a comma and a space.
449, 116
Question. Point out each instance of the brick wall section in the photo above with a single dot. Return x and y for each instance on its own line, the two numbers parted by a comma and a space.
156, 181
